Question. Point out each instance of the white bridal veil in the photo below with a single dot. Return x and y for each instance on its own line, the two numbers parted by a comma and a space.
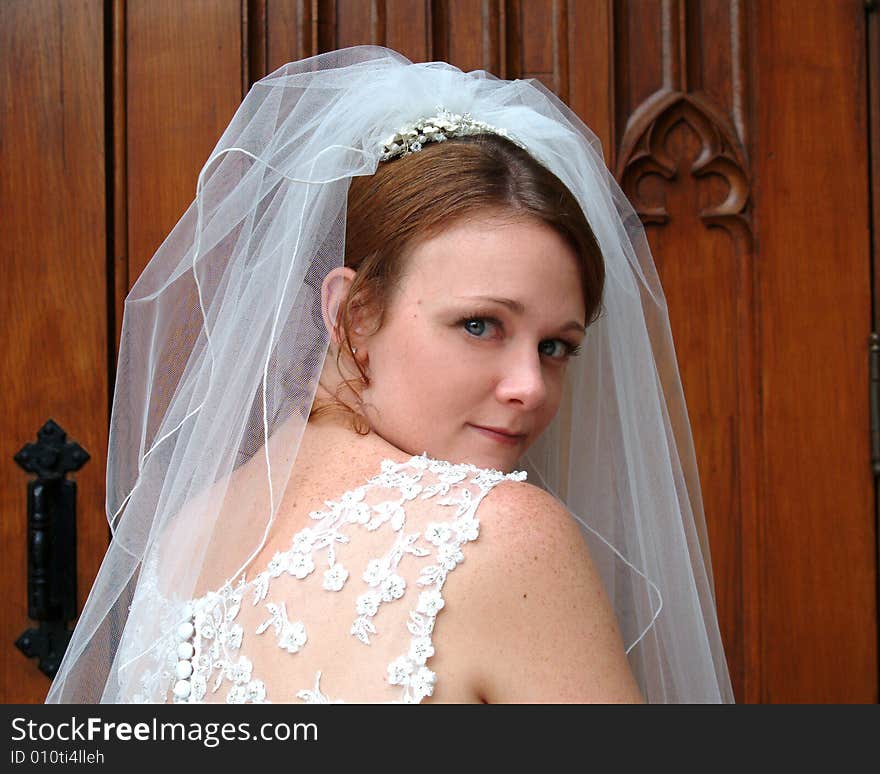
223, 343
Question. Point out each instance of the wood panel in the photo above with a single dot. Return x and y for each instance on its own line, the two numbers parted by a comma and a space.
54, 292
682, 160
359, 21
538, 43
590, 49
408, 29
818, 603
547, 40
721, 150
475, 36
289, 29
873, 64
186, 74
404, 25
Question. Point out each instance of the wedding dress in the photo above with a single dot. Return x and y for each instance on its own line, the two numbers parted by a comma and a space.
383, 551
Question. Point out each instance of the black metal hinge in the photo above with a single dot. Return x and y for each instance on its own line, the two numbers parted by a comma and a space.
874, 377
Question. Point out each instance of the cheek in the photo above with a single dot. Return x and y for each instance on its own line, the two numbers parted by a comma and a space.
405, 363
554, 399
448, 376
426, 367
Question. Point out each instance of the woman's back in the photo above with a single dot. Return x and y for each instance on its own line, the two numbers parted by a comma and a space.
341, 602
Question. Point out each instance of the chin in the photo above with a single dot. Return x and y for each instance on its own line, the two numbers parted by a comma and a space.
481, 458
492, 462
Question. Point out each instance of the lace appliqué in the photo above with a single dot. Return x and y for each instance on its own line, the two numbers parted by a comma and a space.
217, 639
315, 696
409, 670
199, 650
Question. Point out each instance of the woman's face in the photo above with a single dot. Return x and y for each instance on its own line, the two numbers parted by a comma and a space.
448, 360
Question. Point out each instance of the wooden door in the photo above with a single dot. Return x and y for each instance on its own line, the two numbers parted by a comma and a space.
740, 130
742, 137
55, 300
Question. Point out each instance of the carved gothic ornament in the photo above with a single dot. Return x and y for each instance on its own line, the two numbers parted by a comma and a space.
646, 150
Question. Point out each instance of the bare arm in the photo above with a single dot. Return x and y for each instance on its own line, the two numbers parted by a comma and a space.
541, 628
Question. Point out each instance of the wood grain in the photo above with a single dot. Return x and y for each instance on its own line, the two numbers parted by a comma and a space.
818, 601
591, 93
682, 162
54, 291
183, 74
280, 31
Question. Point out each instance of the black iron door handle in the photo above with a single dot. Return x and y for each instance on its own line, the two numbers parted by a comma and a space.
51, 543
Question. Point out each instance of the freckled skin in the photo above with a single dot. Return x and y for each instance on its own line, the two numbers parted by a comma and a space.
431, 379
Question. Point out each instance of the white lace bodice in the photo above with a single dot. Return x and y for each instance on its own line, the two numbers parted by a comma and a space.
376, 558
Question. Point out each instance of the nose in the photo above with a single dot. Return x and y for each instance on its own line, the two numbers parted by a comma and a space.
523, 379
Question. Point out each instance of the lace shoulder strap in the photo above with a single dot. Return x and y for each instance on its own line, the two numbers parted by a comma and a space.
431, 539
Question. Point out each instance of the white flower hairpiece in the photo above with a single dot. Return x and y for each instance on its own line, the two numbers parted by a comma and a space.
437, 128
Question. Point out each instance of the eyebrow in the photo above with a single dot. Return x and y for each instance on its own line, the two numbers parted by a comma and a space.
518, 308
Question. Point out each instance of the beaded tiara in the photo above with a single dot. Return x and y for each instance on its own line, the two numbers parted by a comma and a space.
437, 128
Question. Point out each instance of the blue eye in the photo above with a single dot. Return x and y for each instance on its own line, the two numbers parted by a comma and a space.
559, 348
566, 350
556, 349
475, 325
553, 343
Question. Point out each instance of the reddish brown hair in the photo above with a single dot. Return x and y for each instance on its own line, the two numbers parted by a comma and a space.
415, 197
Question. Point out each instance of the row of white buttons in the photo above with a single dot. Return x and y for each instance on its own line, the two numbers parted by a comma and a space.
185, 652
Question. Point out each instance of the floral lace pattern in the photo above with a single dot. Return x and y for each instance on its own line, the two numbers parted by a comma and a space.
201, 649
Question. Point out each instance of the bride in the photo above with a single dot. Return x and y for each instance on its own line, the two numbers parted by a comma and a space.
398, 419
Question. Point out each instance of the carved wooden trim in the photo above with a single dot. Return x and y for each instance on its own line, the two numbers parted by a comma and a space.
644, 152
119, 192
254, 42
561, 53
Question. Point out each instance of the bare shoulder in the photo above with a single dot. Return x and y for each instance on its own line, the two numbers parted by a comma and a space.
522, 516
528, 539
539, 624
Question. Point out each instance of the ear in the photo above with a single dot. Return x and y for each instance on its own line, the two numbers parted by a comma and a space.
334, 291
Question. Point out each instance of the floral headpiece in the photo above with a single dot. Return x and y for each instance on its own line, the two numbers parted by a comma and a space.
437, 128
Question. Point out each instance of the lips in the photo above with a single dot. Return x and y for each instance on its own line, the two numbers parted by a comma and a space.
500, 435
